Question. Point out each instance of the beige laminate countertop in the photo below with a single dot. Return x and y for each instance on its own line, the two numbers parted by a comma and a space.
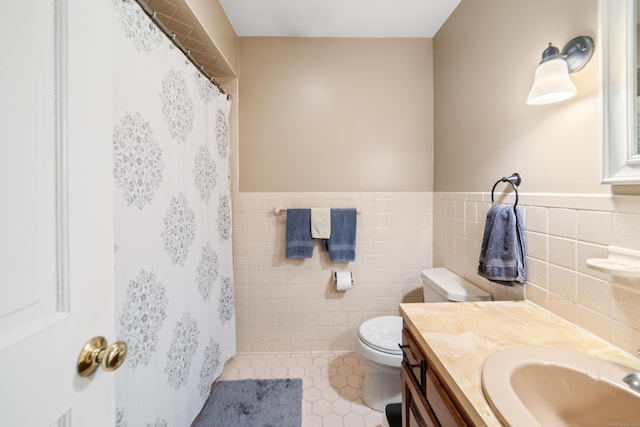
459, 336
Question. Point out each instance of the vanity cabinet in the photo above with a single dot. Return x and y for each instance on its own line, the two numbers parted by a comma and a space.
426, 400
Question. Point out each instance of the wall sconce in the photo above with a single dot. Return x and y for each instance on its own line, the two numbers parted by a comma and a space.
552, 82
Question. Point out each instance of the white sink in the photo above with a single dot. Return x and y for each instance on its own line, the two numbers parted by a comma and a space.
539, 386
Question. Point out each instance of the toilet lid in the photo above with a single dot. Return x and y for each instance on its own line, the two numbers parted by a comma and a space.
383, 334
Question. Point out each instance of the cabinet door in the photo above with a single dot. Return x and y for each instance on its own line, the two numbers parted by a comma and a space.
440, 402
424, 389
413, 356
415, 409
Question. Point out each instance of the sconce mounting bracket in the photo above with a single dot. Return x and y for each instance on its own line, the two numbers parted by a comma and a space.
577, 52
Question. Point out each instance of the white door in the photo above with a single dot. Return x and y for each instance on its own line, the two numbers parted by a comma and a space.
56, 214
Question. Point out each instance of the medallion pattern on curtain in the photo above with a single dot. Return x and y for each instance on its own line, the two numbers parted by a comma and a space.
173, 259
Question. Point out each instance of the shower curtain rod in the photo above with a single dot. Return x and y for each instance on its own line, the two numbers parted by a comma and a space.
172, 36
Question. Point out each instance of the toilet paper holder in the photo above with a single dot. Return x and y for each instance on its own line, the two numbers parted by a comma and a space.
335, 275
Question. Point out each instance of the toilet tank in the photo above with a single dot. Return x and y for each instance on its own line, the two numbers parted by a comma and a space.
441, 285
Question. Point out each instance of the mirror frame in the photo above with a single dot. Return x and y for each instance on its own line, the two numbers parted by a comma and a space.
620, 156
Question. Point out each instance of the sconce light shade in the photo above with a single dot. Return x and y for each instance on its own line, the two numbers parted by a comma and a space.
552, 82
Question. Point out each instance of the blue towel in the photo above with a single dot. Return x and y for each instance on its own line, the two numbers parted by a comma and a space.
342, 243
503, 252
299, 242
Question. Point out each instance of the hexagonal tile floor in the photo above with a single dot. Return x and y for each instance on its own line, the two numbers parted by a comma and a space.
332, 382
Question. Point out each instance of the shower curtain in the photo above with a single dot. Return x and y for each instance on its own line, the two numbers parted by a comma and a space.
173, 255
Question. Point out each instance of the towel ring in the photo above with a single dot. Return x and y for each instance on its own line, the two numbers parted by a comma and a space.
515, 179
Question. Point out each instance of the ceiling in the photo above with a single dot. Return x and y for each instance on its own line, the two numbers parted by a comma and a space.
338, 18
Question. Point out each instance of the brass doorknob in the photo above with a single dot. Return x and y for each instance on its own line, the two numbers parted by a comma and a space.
96, 353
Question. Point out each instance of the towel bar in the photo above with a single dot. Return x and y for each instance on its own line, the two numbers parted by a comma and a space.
279, 211
515, 179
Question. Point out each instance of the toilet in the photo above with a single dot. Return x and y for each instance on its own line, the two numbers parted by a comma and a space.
379, 338
378, 349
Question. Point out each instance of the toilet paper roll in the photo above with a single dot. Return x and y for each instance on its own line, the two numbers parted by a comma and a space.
343, 280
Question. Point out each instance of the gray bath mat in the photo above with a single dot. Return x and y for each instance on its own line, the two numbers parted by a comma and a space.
253, 403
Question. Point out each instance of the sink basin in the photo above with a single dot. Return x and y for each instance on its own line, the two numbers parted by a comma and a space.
538, 386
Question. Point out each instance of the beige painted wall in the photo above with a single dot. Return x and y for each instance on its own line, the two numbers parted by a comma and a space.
484, 61
332, 115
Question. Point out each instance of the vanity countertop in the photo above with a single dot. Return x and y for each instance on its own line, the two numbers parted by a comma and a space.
458, 337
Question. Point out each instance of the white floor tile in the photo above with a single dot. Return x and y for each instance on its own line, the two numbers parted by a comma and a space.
331, 384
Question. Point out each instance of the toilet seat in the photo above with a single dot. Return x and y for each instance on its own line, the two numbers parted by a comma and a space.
383, 334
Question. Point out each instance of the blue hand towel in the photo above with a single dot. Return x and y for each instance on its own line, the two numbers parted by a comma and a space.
503, 252
299, 242
342, 243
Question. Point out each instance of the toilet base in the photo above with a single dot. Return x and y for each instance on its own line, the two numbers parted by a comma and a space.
381, 388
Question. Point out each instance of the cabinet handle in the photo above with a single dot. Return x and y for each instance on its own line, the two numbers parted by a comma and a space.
422, 365
405, 358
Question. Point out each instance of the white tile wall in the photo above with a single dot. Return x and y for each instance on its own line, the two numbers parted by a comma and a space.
562, 231
291, 305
